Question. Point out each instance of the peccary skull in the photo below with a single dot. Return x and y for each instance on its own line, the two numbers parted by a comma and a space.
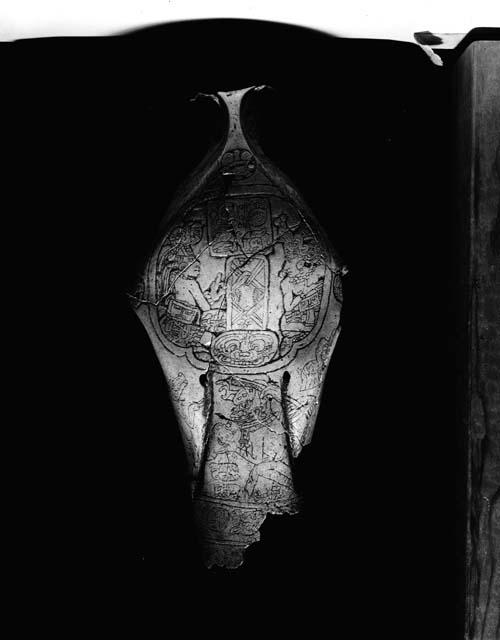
241, 298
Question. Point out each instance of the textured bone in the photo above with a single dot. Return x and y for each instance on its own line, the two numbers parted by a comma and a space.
241, 298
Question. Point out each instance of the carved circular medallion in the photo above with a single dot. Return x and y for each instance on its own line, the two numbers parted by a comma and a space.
240, 282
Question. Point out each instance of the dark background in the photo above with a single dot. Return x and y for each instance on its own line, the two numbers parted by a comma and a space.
365, 130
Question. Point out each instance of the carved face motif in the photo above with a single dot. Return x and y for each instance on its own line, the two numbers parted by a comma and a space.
192, 270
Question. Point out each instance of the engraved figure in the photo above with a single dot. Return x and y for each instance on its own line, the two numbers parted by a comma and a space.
302, 291
189, 309
252, 439
312, 370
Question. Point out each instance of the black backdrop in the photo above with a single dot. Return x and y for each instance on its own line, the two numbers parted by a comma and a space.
364, 129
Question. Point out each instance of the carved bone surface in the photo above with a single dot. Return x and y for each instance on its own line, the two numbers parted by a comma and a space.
241, 298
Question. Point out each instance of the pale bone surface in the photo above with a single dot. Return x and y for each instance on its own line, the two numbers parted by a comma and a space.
241, 298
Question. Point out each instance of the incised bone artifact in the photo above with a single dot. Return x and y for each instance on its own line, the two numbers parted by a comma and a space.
241, 299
